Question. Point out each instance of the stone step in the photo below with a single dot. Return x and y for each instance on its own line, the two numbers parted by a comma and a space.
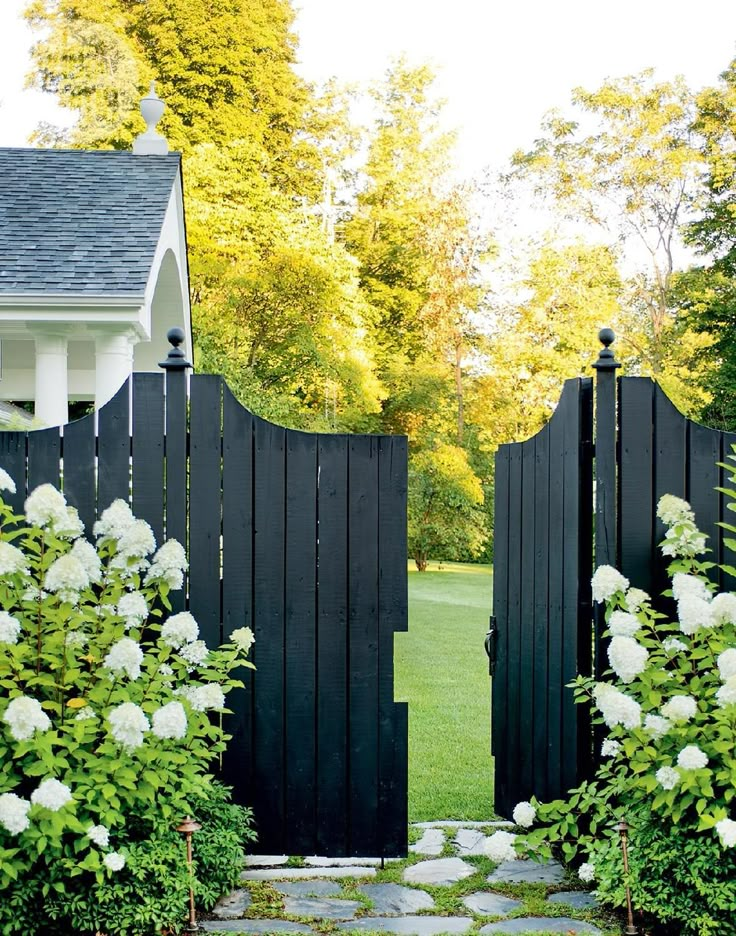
321, 908
541, 925
254, 927
295, 874
441, 871
417, 925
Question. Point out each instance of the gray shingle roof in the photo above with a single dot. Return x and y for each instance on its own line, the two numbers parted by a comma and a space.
80, 222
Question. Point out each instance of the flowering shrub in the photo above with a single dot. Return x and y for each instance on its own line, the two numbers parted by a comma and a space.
669, 758
106, 710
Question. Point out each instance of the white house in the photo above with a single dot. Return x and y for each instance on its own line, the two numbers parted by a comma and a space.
93, 268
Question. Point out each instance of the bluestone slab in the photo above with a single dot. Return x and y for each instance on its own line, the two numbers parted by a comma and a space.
540, 925
297, 874
389, 899
489, 904
253, 927
440, 871
431, 843
579, 900
233, 906
526, 871
418, 925
469, 842
322, 909
308, 888
316, 861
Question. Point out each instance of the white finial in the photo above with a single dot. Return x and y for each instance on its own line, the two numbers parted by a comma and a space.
151, 143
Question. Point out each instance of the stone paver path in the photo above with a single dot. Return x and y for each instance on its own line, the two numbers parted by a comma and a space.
315, 891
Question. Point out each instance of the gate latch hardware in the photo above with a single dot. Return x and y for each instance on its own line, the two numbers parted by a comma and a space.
490, 644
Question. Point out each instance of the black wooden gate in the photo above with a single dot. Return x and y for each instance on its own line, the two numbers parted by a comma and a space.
303, 538
565, 503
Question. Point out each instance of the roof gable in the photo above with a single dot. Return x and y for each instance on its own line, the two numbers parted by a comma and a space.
81, 222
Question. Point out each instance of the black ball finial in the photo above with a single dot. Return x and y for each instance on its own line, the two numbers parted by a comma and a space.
606, 360
175, 359
606, 336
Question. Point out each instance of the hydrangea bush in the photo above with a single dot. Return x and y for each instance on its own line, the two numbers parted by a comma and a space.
669, 752
109, 708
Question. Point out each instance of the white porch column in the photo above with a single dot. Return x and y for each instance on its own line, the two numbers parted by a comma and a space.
52, 394
113, 365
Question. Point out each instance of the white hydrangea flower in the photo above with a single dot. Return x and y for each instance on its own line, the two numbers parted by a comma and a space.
726, 662
179, 629
6, 482
586, 872
623, 624
726, 695
500, 846
692, 758
114, 521
169, 564
606, 582
195, 653
70, 527
627, 658
170, 721
52, 794
672, 510
616, 707
12, 559
114, 861
208, 697
243, 638
680, 709
656, 726
67, 577
683, 584
133, 608
686, 541
75, 638
85, 714
610, 748
14, 813
23, 716
100, 835
128, 724
726, 830
673, 645
723, 608
87, 554
524, 814
137, 540
45, 507
635, 598
165, 670
125, 656
694, 613
667, 777
9, 628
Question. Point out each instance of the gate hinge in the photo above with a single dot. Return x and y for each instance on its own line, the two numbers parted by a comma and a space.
490, 644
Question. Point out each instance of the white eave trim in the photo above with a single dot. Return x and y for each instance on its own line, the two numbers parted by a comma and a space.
70, 300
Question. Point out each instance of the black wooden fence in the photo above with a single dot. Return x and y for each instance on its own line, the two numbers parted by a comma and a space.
566, 501
303, 538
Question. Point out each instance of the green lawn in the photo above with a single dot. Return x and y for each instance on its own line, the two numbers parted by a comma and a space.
442, 671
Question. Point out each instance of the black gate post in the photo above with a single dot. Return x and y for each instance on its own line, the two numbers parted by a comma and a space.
605, 475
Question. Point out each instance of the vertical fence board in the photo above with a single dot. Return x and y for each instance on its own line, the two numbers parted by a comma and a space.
558, 531
205, 434
363, 643
237, 582
636, 495
268, 582
541, 606
44, 451
727, 514
515, 588
13, 460
148, 451
526, 628
113, 449
392, 617
704, 450
332, 645
569, 415
300, 581
177, 505
80, 472
670, 474
585, 540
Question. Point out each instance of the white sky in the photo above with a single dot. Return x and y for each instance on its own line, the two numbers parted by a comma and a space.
502, 64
